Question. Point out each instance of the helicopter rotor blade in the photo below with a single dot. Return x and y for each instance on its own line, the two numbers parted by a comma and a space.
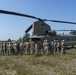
18, 14
65, 30
28, 29
29, 16
60, 21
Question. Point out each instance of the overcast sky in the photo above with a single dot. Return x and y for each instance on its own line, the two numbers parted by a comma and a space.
14, 26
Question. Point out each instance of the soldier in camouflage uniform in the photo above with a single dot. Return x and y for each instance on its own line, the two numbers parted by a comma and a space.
28, 48
58, 46
21, 48
55, 46
63, 47
15, 48
33, 48
3, 51
9, 48
52, 47
46, 47
38, 48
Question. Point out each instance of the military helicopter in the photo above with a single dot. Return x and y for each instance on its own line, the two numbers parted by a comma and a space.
41, 30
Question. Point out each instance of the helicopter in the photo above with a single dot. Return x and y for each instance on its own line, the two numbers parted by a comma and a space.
42, 31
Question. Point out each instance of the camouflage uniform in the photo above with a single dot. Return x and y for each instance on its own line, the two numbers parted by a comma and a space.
62, 47
21, 48
3, 50
58, 46
33, 48
15, 48
27, 48
52, 47
46, 47
9, 48
55, 47
38, 48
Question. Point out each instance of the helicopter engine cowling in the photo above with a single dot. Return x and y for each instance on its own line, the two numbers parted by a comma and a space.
73, 32
51, 32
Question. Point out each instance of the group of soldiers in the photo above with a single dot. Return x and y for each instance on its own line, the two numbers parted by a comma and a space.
35, 48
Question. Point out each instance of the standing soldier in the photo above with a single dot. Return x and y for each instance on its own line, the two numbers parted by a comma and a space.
9, 48
18, 47
28, 48
55, 47
52, 47
58, 46
21, 48
33, 48
38, 48
2, 52
63, 47
46, 47
15, 48
4, 48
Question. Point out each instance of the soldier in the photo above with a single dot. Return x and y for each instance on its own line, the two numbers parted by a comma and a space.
2, 51
9, 48
63, 47
28, 48
18, 48
0, 48
55, 47
15, 48
46, 47
58, 46
4, 48
21, 48
52, 47
33, 48
38, 48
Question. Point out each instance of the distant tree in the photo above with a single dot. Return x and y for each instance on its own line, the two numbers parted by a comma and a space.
9, 40
26, 37
20, 39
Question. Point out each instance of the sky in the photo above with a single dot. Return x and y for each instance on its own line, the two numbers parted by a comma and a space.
14, 27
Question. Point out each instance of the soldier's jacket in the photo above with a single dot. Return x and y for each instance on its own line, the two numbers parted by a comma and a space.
58, 45
27, 45
46, 45
9, 46
52, 45
62, 44
1, 45
21, 45
4, 46
15, 46
32, 45
39, 45
55, 44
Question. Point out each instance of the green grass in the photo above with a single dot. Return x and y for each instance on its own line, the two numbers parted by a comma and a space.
30, 65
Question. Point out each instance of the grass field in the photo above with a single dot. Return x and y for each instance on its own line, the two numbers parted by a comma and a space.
30, 65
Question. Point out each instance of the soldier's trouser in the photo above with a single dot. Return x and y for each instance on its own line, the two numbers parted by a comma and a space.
21, 51
37, 51
33, 51
9, 52
46, 52
62, 51
2, 52
28, 51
